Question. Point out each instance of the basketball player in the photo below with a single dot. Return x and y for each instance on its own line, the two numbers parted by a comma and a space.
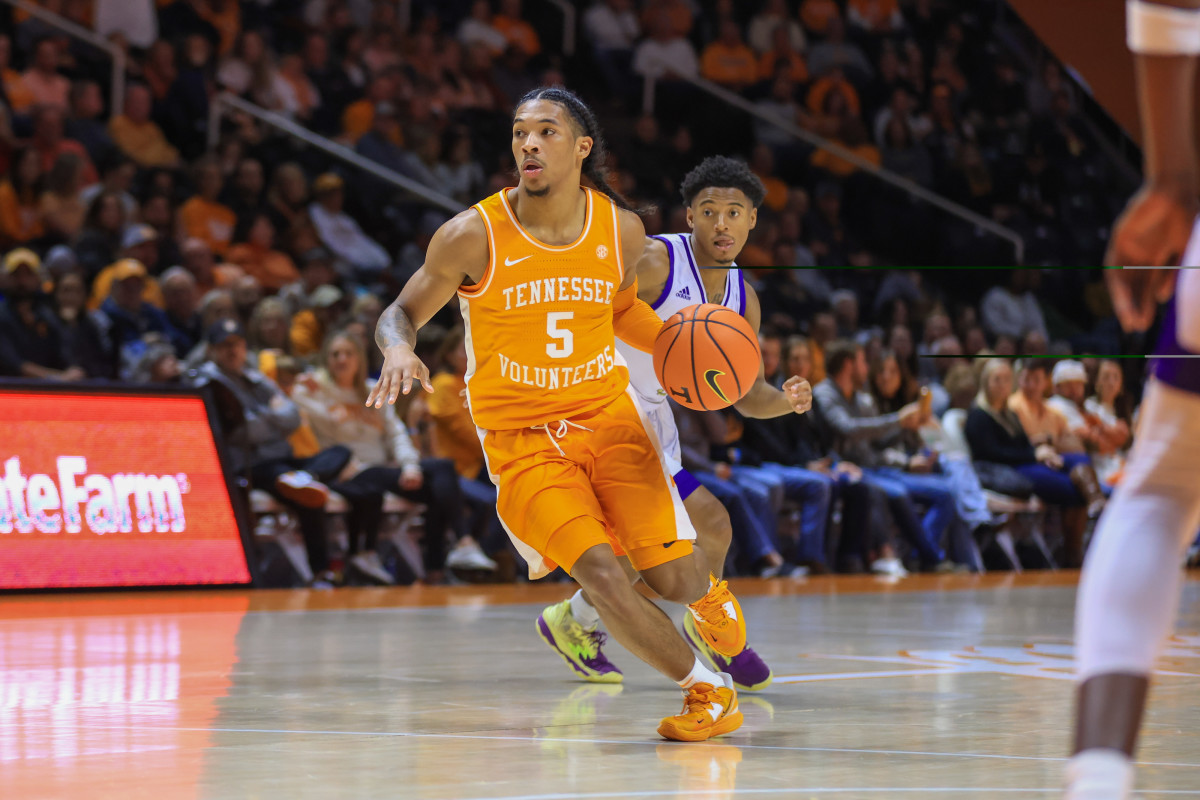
676, 271
1132, 577
540, 273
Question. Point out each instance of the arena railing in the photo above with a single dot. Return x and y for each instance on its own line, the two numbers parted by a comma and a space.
224, 102
117, 89
902, 183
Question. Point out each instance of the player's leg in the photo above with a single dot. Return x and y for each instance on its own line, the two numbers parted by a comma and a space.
1129, 592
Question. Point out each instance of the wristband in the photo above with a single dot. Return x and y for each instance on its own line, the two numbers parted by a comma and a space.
1158, 30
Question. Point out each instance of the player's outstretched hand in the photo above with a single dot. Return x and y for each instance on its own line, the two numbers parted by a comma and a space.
799, 393
1153, 231
400, 368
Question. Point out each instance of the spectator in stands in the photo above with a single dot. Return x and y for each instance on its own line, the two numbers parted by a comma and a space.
247, 293
386, 460
20, 192
762, 163
996, 434
269, 328
875, 17
516, 29
311, 325
159, 70
19, 96
853, 137
330, 81
99, 241
1102, 440
297, 96
665, 55
257, 417
117, 173
287, 197
49, 142
459, 175
1042, 423
31, 342
1013, 310
856, 423
61, 208
138, 242
340, 233
761, 33
612, 27
125, 317
254, 251
202, 216
835, 53
478, 29
1111, 405
85, 346
248, 70
181, 303
85, 126
818, 15
728, 60
244, 194
157, 364
42, 78
197, 258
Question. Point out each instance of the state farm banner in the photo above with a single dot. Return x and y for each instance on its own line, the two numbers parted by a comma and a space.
113, 489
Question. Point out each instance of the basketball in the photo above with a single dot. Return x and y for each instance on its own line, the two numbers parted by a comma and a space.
706, 357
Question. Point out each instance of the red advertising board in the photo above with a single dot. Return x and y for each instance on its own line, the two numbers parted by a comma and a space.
113, 489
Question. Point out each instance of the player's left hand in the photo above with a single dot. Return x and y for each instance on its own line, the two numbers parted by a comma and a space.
798, 393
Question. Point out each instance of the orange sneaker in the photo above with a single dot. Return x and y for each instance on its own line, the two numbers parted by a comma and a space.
719, 619
708, 711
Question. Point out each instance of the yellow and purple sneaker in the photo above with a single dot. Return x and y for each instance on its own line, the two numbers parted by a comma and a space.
747, 668
580, 648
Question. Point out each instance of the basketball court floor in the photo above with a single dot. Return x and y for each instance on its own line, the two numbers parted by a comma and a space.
942, 687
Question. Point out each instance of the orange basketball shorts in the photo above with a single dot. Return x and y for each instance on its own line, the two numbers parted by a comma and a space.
606, 466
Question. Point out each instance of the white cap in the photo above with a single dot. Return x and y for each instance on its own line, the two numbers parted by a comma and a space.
1068, 371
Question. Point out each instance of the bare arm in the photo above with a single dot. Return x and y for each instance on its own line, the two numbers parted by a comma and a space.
764, 400
634, 322
1155, 227
457, 253
652, 269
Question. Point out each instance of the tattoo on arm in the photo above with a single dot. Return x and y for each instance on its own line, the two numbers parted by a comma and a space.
395, 328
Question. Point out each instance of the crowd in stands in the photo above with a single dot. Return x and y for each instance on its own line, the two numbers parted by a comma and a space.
134, 252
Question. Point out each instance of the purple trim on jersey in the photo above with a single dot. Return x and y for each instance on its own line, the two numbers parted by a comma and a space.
742, 278
686, 483
687, 246
670, 273
1182, 373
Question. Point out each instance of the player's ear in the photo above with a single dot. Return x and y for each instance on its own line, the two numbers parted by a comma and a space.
691, 219
753, 218
584, 144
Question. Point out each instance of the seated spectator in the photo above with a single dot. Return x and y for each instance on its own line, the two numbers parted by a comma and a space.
665, 55
50, 143
256, 417
1042, 423
516, 30
31, 342
85, 126
460, 175
138, 136
254, 252
311, 325
856, 424
852, 137
763, 35
100, 239
478, 29
836, 53
43, 80
904, 156
140, 243
1013, 310
384, 457
297, 96
157, 364
1110, 405
268, 330
612, 27
202, 216
874, 16
20, 191
125, 317
61, 207
117, 173
359, 116
287, 197
181, 302
728, 61
216, 305
1101, 439
85, 346
783, 57
830, 84
818, 15
996, 436
339, 232
159, 70
762, 163
20, 97
244, 194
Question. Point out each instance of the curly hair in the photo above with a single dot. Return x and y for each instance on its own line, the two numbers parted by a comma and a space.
724, 173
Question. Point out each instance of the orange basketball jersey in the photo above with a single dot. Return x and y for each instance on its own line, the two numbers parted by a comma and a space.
539, 325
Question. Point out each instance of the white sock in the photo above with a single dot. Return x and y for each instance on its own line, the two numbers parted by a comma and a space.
583, 612
701, 674
1099, 774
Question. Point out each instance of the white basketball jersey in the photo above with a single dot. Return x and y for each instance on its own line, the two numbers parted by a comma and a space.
683, 288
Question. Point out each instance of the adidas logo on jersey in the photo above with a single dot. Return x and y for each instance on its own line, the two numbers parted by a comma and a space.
685, 293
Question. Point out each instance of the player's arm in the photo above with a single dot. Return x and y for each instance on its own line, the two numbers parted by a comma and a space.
457, 253
652, 269
634, 321
764, 400
1155, 227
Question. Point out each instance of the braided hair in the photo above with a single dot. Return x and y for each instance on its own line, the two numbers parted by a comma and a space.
584, 121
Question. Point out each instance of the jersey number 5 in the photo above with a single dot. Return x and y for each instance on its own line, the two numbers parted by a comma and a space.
564, 343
